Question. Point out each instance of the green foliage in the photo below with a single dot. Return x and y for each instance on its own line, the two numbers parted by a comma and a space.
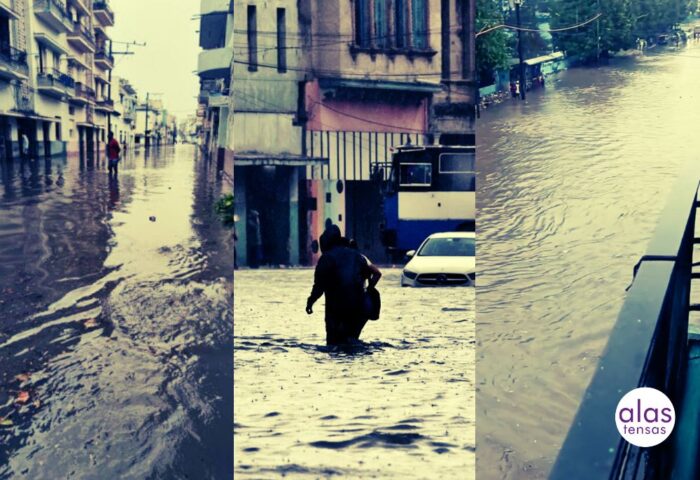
224, 208
621, 23
492, 49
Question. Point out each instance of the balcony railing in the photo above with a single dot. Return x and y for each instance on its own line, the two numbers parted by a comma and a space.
59, 77
104, 57
648, 347
105, 103
103, 12
81, 31
82, 91
55, 13
14, 58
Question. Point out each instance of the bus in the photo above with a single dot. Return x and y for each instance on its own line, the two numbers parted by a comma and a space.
431, 189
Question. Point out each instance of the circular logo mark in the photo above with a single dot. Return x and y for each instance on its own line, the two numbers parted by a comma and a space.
645, 417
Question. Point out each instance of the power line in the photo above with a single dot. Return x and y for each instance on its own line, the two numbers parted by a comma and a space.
486, 30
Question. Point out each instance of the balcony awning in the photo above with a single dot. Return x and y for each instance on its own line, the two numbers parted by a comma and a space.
6, 10
545, 58
537, 60
252, 159
386, 85
50, 43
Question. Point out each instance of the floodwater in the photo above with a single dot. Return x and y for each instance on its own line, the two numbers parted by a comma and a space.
571, 184
115, 319
399, 406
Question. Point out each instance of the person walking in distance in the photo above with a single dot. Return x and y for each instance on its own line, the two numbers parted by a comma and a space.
254, 235
113, 150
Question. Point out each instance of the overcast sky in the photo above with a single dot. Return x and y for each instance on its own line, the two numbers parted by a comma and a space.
168, 62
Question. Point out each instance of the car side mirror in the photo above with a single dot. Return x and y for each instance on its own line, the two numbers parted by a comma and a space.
411, 253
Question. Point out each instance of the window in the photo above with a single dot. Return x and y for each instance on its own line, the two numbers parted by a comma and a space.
448, 247
4, 33
401, 32
419, 23
415, 174
363, 32
456, 163
58, 131
56, 62
281, 40
385, 24
381, 24
42, 59
252, 38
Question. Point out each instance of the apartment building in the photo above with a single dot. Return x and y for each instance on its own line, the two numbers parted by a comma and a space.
123, 120
214, 70
324, 91
55, 71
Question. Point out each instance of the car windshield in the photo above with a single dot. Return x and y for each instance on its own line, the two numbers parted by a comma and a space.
448, 247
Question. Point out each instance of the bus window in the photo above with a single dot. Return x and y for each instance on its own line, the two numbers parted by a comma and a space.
456, 163
416, 174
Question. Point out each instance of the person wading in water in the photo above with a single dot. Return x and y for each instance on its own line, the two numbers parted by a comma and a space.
340, 275
113, 151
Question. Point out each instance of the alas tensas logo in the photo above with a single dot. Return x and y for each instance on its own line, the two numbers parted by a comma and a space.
645, 417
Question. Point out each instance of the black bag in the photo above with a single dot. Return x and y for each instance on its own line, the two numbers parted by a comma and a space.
373, 303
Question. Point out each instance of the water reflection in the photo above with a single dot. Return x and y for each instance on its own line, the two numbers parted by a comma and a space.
115, 319
571, 184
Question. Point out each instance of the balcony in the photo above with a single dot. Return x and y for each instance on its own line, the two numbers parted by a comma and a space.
105, 105
83, 95
81, 38
80, 5
212, 23
103, 12
104, 60
54, 14
55, 84
129, 116
7, 10
215, 63
13, 63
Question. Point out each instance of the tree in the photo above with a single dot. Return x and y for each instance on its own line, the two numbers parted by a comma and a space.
492, 51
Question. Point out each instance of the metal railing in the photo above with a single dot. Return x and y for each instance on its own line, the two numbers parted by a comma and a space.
84, 31
48, 5
14, 57
83, 91
646, 348
102, 54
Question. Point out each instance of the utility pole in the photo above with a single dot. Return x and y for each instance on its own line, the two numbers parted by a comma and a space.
523, 83
111, 56
145, 132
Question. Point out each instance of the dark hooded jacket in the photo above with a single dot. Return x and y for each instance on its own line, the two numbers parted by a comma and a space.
340, 275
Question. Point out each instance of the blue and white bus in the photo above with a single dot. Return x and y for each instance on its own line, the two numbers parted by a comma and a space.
431, 189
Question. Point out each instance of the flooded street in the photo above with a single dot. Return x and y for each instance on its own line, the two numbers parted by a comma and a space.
400, 406
115, 318
571, 183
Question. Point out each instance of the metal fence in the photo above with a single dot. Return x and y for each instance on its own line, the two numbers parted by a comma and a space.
646, 348
354, 155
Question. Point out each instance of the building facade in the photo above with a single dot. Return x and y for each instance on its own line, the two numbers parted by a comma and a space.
55, 70
324, 92
214, 70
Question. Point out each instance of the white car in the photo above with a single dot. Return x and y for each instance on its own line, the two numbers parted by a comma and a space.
443, 259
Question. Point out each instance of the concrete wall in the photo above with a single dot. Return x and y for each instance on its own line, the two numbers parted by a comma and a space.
267, 133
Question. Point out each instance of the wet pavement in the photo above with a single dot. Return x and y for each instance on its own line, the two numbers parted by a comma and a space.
571, 184
399, 406
115, 319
